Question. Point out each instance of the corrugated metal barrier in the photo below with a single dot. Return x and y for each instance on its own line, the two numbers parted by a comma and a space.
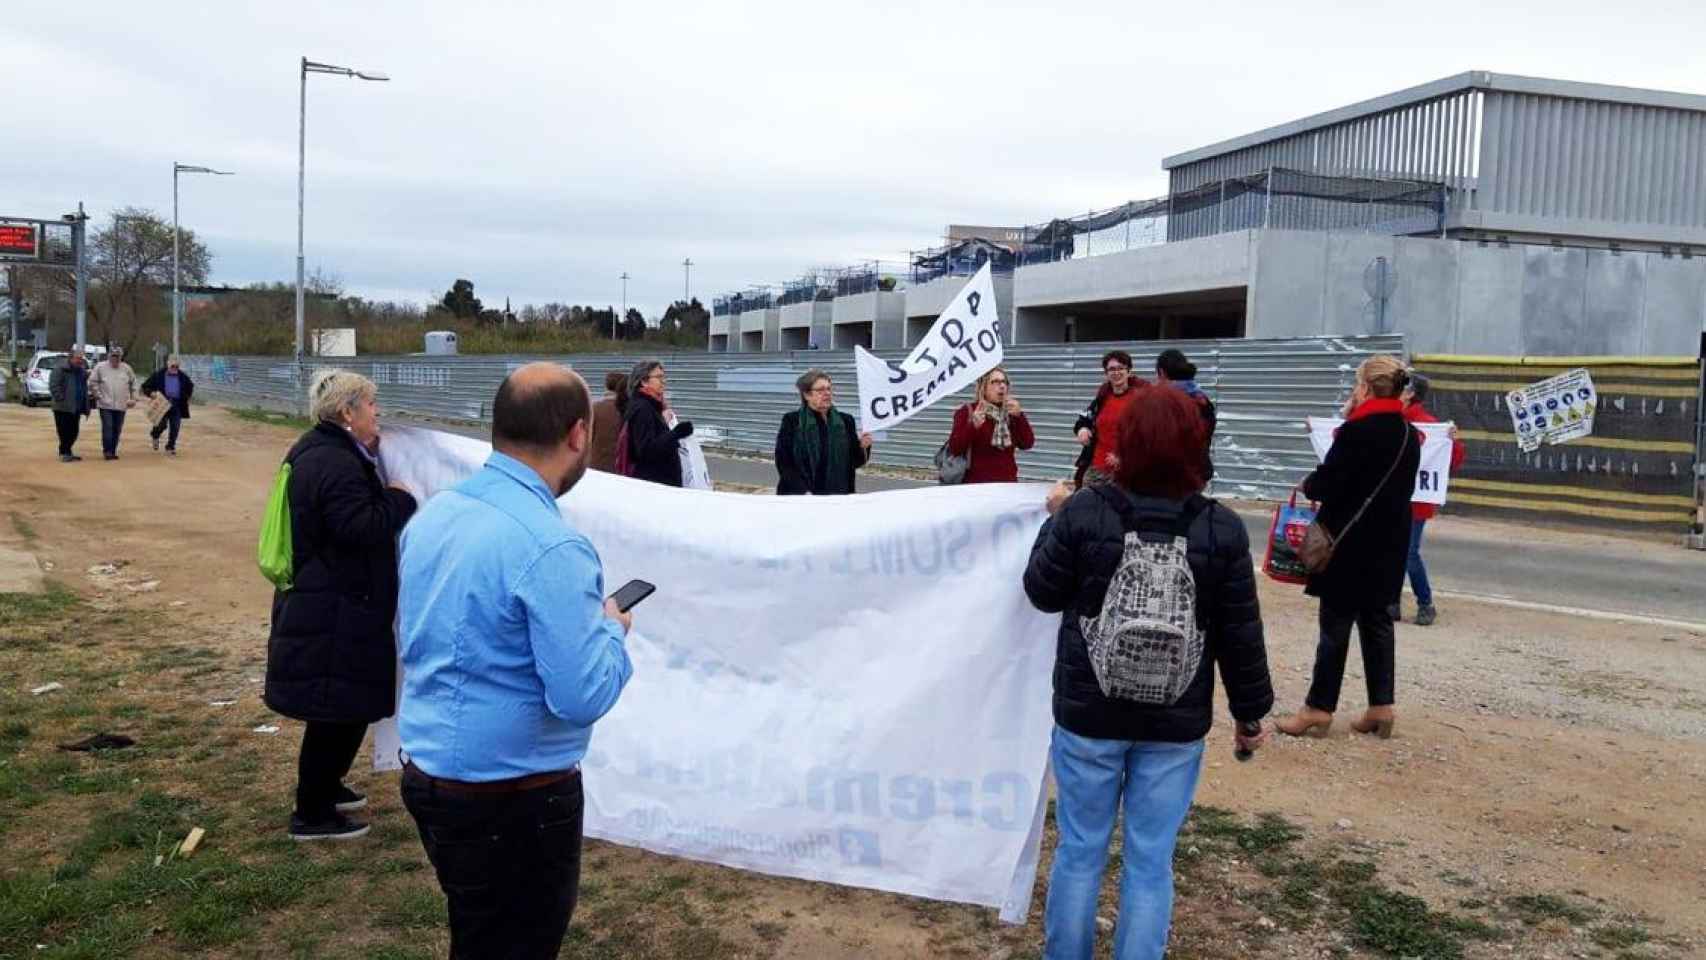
1263, 389
1637, 468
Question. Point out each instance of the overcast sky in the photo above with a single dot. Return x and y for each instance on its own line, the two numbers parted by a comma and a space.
541, 149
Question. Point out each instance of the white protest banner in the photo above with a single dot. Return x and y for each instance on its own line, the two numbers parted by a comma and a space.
1432, 477
963, 344
846, 689
1555, 410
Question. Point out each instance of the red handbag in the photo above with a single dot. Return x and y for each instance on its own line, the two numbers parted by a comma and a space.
1284, 559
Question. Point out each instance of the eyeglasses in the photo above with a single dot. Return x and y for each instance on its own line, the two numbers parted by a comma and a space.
821, 390
658, 377
1114, 368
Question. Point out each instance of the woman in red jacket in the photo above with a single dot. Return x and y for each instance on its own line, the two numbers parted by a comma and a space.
1420, 513
991, 430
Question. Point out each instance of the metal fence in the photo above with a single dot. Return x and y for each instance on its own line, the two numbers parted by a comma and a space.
1263, 389
1277, 198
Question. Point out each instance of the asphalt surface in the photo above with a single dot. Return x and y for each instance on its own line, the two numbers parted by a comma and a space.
1504, 562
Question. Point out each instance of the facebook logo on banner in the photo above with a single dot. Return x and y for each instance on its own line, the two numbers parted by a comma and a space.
859, 848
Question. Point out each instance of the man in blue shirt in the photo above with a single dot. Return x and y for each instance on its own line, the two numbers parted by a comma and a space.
510, 653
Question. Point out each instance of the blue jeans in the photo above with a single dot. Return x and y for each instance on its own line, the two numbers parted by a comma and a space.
1418, 569
112, 423
1094, 779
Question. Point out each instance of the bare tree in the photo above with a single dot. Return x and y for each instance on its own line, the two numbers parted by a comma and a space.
130, 263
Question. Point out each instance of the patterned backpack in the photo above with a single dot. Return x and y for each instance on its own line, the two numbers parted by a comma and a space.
1146, 645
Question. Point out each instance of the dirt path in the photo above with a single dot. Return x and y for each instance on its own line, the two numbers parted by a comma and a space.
1535, 752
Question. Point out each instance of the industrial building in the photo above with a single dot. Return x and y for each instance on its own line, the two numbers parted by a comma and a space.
1479, 214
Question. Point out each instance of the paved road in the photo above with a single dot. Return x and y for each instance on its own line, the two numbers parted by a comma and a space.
1507, 562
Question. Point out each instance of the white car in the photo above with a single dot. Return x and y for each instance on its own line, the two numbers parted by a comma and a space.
40, 370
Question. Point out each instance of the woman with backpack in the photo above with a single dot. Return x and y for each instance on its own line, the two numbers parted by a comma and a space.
1173, 368
332, 654
1364, 489
990, 430
1156, 590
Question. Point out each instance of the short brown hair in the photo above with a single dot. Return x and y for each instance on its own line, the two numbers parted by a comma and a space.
616, 381
809, 379
1119, 355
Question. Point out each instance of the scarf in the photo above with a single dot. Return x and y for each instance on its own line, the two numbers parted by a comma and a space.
1002, 437
809, 454
1376, 405
1189, 386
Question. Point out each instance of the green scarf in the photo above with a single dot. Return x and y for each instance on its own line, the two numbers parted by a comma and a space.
808, 453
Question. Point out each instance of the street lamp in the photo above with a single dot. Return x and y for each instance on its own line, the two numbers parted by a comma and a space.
624, 304
687, 278
177, 300
309, 66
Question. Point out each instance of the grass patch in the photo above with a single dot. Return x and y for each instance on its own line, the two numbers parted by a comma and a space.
270, 417
24, 528
414, 909
19, 609
1540, 907
1620, 936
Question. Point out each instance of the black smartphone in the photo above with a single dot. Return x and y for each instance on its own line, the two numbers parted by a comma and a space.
631, 594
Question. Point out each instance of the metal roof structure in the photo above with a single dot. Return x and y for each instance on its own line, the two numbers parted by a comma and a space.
1518, 155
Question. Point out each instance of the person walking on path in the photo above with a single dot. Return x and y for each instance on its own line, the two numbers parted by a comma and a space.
1143, 556
990, 430
1415, 411
332, 653
819, 449
68, 386
1097, 428
175, 385
651, 431
113, 385
1364, 488
511, 654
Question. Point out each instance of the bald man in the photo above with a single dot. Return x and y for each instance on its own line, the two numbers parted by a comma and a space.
510, 654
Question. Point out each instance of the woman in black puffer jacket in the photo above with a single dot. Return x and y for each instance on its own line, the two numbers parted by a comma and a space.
1109, 752
332, 655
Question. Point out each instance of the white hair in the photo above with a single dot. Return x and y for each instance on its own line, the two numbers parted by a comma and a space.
332, 391
171, 359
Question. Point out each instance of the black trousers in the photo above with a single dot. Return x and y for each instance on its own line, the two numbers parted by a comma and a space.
328, 750
509, 864
1379, 656
172, 420
68, 425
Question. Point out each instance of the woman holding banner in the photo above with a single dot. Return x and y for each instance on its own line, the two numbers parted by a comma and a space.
1187, 588
651, 432
1364, 488
1416, 411
990, 431
818, 447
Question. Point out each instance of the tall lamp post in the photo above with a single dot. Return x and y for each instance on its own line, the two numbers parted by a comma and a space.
687, 279
177, 298
309, 66
624, 305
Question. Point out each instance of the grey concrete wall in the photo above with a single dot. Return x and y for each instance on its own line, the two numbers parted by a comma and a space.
1460, 297
927, 300
808, 314
889, 334
848, 335
871, 307
1207, 263
752, 341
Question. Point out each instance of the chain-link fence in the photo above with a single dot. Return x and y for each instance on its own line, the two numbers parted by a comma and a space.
1263, 389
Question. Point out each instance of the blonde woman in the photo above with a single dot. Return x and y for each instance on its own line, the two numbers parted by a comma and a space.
1364, 489
991, 430
332, 655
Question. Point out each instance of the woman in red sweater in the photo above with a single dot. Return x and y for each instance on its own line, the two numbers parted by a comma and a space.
991, 430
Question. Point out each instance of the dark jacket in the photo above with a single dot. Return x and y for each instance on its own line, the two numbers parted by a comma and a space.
332, 655
69, 388
791, 477
606, 427
1087, 421
987, 464
1210, 420
156, 383
653, 447
1076, 554
1368, 565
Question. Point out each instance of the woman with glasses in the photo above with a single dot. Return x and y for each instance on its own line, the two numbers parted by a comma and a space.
1098, 426
651, 432
990, 431
818, 447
